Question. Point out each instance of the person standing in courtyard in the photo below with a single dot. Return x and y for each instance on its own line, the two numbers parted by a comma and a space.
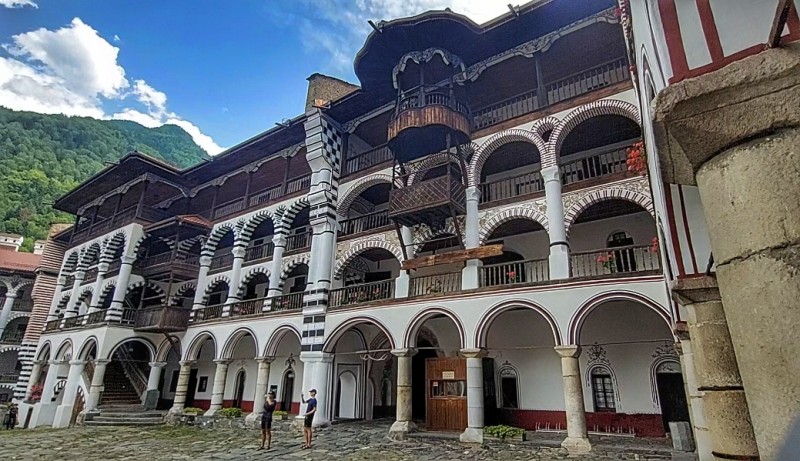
311, 409
11, 417
266, 421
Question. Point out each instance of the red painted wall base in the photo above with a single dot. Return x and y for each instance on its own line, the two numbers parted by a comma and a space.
644, 425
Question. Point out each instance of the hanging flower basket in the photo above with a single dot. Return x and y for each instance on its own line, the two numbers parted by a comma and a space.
654, 245
607, 260
637, 159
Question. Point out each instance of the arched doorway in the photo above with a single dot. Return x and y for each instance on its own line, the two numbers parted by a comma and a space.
286, 371
287, 386
238, 389
126, 375
346, 395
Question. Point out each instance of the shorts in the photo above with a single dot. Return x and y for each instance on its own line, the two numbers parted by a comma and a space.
266, 423
307, 422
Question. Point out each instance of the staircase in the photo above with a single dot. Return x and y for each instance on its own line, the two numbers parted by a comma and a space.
118, 388
126, 415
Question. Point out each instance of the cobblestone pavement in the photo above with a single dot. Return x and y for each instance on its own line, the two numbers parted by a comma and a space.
354, 441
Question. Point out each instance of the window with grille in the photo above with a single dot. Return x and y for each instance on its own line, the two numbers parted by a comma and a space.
603, 392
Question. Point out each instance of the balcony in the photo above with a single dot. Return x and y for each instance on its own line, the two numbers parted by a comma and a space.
9, 377
431, 201
361, 293
513, 273
221, 263
22, 305
136, 213
261, 198
614, 261
209, 313
364, 223
52, 325
248, 307
290, 302
368, 159
14, 337
181, 266
515, 186
75, 321
259, 252
91, 275
161, 319
595, 166
298, 242
436, 284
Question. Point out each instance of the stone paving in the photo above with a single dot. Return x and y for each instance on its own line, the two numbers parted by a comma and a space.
353, 441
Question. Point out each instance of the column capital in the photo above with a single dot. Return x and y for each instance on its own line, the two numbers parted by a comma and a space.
12, 295
265, 359
157, 364
316, 357
187, 363
102, 268
77, 362
128, 259
473, 193
473, 352
238, 251
408, 352
695, 290
57, 362
279, 240
551, 173
568, 351
79, 274
205, 261
223, 361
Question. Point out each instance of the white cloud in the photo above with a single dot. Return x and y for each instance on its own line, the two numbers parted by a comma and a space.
72, 71
116, 38
18, 3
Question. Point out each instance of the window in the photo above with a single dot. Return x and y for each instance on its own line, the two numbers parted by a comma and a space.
441, 388
603, 391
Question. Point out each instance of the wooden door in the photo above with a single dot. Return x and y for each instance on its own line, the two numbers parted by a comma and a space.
446, 393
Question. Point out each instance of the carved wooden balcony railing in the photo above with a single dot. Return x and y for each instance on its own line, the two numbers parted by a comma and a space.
91, 275
370, 158
128, 317
96, 317
506, 188
362, 293
290, 302
12, 338
298, 184
180, 265
209, 312
259, 252
260, 198
221, 262
516, 272
230, 207
364, 223
594, 166
266, 196
449, 282
506, 109
22, 305
248, 307
124, 217
428, 201
52, 325
73, 322
298, 242
162, 319
9, 377
622, 260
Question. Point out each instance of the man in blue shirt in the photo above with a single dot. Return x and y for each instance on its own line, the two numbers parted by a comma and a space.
309, 416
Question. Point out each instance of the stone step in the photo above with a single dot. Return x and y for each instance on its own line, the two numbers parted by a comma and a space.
120, 414
129, 419
123, 422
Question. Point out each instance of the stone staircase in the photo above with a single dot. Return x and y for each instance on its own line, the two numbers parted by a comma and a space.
118, 389
125, 415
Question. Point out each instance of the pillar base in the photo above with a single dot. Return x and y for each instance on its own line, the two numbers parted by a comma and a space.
151, 397
399, 429
576, 445
43, 414
472, 435
212, 411
62, 417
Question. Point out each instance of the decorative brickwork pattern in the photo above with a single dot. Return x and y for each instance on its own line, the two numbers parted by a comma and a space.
508, 214
350, 250
495, 142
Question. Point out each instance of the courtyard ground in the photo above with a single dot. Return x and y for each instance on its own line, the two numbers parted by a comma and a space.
352, 441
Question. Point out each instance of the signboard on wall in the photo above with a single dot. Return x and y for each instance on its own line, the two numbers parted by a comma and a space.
448, 375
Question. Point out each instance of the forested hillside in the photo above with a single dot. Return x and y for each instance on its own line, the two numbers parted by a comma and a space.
44, 156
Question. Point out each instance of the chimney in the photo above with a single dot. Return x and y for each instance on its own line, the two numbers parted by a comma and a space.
323, 89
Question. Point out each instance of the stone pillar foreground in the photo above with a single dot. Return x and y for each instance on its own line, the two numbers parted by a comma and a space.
96, 387
51, 315
72, 305
262, 384
557, 231
694, 395
44, 411
64, 411
577, 440
474, 431
403, 423
94, 302
153, 393
718, 376
236, 277
218, 391
735, 133
36, 375
316, 375
202, 278
182, 387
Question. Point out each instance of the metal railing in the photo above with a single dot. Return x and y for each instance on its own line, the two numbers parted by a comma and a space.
610, 261
364, 160
256, 252
362, 293
594, 166
512, 273
290, 302
248, 307
364, 223
449, 282
209, 312
501, 189
22, 305
298, 241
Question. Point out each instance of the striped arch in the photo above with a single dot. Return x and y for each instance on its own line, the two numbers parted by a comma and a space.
90, 254
359, 186
271, 349
292, 262
65, 295
426, 233
147, 283
580, 315
18, 314
344, 327
249, 225
252, 272
606, 194
212, 283
290, 212
416, 323
111, 246
495, 142
359, 247
87, 290
517, 212
485, 323
545, 124
583, 113
433, 161
216, 235
197, 342
233, 341
162, 353
70, 263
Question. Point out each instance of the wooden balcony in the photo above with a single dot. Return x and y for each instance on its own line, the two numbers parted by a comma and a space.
14, 337
161, 319
209, 313
594, 166
164, 265
290, 302
514, 186
221, 263
368, 159
136, 213
298, 242
52, 325
362, 293
422, 118
248, 307
364, 223
431, 201
516, 272
436, 284
261, 198
22, 305
259, 252
613, 261
9, 377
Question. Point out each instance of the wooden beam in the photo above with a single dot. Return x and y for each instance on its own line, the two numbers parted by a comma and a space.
778, 23
454, 256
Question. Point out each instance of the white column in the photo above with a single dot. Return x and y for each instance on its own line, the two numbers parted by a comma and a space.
236, 277
471, 272
474, 431
36, 375
6, 312
316, 375
56, 298
44, 411
102, 268
64, 411
114, 313
202, 281
403, 423
218, 391
577, 440
262, 383
72, 304
403, 281
153, 393
96, 389
279, 242
182, 387
559, 247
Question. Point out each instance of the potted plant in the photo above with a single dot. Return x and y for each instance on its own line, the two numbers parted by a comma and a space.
637, 159
512, 277
190, 413
36, 392
607, 260
505, 433
230, 413
280, 415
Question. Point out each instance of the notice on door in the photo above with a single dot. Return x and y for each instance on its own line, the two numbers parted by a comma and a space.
448, 375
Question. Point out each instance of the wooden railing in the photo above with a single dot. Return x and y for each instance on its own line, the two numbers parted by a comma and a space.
364, 160
69, 281
91, 274
424, 96
298, 184
506, 109
9, 377
154, 260
123, 217
449, 282
162, 318
12, 338
96, 317
248, 307
298, 241
256, 252
501, 189
52, 325
128, 317
22, 305
290, 302
229, 207
261, 197
265, 196
364, 223
511, 273
362, 293
221, 262
113, 267
594, 166
209, 312
76, 321
614, 261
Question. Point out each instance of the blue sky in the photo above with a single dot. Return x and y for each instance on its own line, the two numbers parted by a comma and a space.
224, 71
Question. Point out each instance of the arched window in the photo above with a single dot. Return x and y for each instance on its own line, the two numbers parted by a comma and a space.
624, 257
603, 390
509, 386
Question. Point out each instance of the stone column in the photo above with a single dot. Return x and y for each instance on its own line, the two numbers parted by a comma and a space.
316, 375
182, 387
236, 277
475, 410
218, 391
577, 440
403, 281
471, 272
96, 388
559, 246
718, 378
51, 315
262, 383
72, 304
36, 375
697, 417
202, 280
734, 132
403, 423
153, 393
44, 411
8, 304
102, 268
279, 242
114, 313
64, 411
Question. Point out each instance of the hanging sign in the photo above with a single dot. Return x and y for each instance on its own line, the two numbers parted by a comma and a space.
448, 375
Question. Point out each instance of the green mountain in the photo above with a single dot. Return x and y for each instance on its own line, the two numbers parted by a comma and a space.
44, 156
